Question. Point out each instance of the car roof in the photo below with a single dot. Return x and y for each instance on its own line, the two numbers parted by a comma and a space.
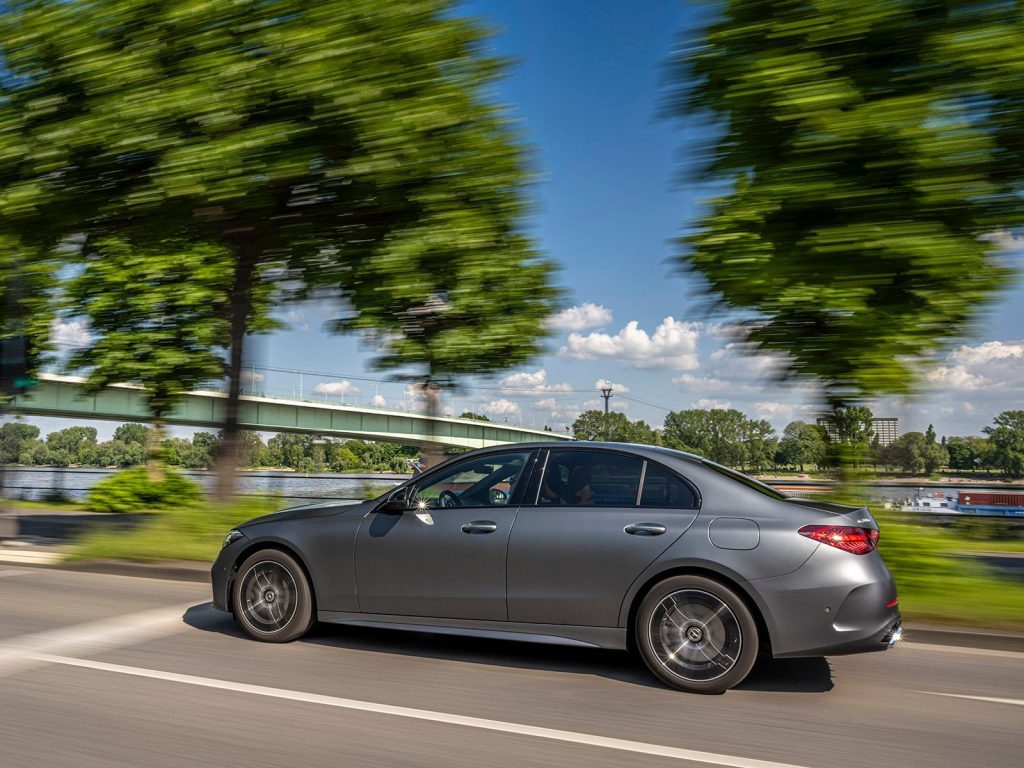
562, 445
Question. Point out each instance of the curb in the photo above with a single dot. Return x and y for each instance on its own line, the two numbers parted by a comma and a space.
172, 570
991, 640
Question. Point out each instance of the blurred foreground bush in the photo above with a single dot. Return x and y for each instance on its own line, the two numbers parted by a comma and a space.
192, 532
132, 490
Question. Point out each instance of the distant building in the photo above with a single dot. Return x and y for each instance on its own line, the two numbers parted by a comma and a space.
887, 429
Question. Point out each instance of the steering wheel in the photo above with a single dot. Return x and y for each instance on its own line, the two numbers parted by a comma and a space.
447, 499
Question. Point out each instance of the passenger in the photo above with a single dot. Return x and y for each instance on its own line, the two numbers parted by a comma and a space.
580, 492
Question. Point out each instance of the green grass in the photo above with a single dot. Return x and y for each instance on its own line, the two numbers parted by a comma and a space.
186, 533
69, 506
1014, 546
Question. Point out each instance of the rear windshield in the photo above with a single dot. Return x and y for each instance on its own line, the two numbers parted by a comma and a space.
748, 481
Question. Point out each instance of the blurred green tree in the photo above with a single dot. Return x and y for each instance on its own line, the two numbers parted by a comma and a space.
307, 139
870, 154
158, 317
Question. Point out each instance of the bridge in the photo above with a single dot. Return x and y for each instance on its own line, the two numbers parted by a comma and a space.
66, 396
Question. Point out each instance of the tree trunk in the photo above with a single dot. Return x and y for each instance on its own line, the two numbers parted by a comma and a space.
154, 465
433, 454
247, 253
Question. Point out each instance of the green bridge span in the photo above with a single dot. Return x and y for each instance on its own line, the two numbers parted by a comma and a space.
65, 396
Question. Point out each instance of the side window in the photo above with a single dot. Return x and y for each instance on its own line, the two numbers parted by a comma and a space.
485, 481
663, 489
590, 479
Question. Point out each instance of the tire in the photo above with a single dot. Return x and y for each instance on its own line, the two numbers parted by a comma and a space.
271, 598
696, 635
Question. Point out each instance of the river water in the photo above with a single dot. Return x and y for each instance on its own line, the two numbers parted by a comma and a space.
291, 487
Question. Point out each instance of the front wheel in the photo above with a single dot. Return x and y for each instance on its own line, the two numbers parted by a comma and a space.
696, 634
271, 597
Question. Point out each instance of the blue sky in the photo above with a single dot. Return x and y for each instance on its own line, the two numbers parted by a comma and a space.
586, 89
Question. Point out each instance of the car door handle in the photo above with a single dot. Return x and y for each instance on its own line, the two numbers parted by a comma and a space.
480, 526
645, 529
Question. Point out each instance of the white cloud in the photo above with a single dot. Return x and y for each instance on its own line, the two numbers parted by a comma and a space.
700, 382
597, 404
547, 404
710, 404
378, 401
621, 389
252, 376
777, 412
341, 387
72, 333
502, 407
727, 331
672, 345
739, 360
578, 318
535, 383
295, 318
1007, 241
955, 377
988, 352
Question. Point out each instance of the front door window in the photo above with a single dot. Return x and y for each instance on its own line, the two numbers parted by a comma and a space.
485, 481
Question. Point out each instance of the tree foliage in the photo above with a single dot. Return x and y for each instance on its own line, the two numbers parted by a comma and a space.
802, 444
346, 147
723, 435
870, 151
159, 317
1006, 441
613, 426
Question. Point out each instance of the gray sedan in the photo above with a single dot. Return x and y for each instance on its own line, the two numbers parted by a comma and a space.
698, 568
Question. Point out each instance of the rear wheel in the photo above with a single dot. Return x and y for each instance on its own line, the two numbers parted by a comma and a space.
696, 634
271, 597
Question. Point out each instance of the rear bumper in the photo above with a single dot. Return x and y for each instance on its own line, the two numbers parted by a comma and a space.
836, 603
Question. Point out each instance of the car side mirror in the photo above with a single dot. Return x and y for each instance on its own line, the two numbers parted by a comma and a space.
397, 501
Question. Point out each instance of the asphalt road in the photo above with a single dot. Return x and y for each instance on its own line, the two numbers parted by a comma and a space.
100, 670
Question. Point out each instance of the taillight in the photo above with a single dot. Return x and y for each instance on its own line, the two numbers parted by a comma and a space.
858, 541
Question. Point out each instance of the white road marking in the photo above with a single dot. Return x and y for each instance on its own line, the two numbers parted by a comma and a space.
994, 700
94, 637
552, 734
966, 651
14, 572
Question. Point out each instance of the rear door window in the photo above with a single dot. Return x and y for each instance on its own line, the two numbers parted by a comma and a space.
665, 490
590, 479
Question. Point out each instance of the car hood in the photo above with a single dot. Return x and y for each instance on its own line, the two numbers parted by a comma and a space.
857, 515
305, 511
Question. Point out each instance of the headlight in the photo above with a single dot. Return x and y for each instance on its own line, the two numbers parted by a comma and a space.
233, 535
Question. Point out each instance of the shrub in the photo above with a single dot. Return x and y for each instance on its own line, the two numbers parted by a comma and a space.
132, 490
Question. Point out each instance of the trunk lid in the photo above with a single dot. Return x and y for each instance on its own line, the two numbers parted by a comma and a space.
858, 516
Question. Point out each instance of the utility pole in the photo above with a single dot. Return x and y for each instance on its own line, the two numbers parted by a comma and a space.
606, 393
